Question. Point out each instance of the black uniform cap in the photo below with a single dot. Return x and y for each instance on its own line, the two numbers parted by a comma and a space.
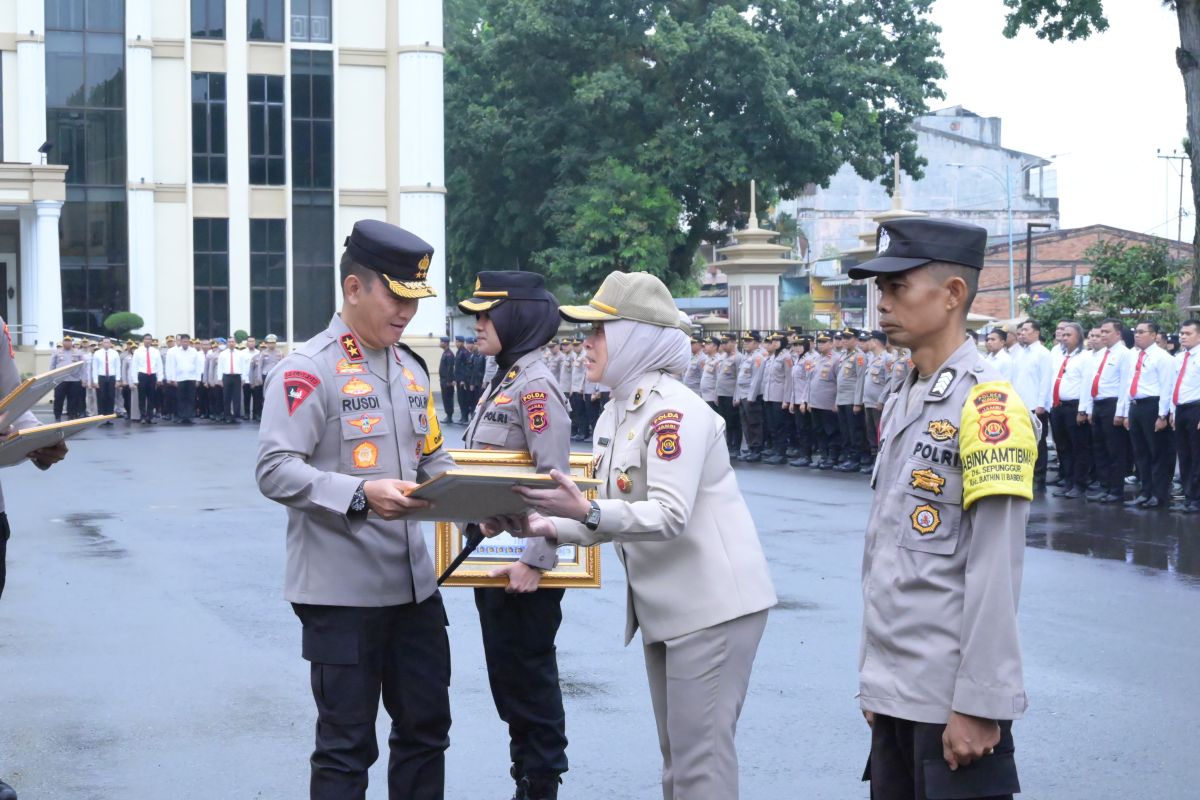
401, 257
493, 288
752, 336
904, 244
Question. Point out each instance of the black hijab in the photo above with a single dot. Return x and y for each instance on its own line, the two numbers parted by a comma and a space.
522, 327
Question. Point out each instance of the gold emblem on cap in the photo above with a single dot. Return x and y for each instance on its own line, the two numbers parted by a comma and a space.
423, 267
477, 284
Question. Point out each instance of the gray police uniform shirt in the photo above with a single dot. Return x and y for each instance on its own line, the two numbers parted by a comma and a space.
670, 503
578, 372
691, 378
526, 411
777, 378
945, 544
847, 376
727, 372
802, 369
822, 385
873, 381
708, 378
336, 414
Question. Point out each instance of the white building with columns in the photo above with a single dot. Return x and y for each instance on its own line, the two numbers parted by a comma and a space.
207, 158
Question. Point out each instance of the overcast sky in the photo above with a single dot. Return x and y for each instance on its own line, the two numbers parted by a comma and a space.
1102, 106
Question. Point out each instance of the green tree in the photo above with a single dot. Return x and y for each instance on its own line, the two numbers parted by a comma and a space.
1134, 282
798, 311
689, 99
1078, 19
1062, 302
122, 323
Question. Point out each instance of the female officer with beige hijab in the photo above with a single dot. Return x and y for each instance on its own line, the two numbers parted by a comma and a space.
698, 583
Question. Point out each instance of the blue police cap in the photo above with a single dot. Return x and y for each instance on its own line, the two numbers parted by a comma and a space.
400, 257
905, 244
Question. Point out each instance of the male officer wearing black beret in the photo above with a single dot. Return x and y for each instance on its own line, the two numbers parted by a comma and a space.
348, 426
940, 677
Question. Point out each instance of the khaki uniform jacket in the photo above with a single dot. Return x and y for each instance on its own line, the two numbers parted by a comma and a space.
727, 372
334, 415
526, 411
849, 367
682, 530
941, 578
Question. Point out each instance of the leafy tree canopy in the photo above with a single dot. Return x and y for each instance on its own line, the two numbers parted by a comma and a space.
591, 135
1133, 282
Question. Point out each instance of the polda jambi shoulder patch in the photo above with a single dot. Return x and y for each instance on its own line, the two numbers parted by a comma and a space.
665, 427
997, 444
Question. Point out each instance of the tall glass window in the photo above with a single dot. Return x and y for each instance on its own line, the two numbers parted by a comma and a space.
210, 276
85, 124
313, 282
268, 277
311, 21
208, 19
264, 20
208, 128
267, 166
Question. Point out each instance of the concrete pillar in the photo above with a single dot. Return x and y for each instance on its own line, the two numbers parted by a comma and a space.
139, 138
237, 138
29, 276
47, 278
31, 80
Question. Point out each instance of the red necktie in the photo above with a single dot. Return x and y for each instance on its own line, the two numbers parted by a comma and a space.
231, 359
1137, 373
1099, 372
1179, 380
147, 360
106, 363
1058, 380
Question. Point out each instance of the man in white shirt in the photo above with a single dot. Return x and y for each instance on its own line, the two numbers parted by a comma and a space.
1185, 415
1072, 439
185, 367
1147, 373
106, 369
996, 354
1031, 378
147, 363
1098, 403
229, 369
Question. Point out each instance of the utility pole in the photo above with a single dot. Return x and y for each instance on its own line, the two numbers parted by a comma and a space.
1180, 157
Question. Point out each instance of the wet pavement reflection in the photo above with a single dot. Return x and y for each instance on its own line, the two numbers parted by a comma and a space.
1151, 538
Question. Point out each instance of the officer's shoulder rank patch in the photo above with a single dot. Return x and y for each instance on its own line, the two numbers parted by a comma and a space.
345, 367
942, 384
356, 387
928, 480
501, 399
350, 347
997, 444
297, 386
941, 430
665, 426
925, 519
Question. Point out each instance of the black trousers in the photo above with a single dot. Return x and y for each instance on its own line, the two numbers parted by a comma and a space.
464, 401
578, 414
127, 397
777, 427
871, 418
1073, 442
733, 422
448, 399
358, 654
1111, 444
850, 425
147, 386
518, 644
247, 398
751, 413
1153, 450
106, 394
828, 433
71, 394
4, 533
1039, 466
802, 436
1187, 445
256, 401
185, 395
906, 764
216, 400
594, 408
231, 397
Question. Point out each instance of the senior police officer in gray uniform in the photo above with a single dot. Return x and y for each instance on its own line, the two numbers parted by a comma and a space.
940, 677
347, 427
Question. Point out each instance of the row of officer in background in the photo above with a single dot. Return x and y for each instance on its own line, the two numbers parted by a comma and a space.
462, 373
586, 398
1113, 401
184, 380
806, 400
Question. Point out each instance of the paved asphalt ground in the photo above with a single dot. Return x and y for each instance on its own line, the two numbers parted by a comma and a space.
146, 652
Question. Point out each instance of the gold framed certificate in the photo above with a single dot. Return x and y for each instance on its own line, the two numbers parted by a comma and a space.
578, 567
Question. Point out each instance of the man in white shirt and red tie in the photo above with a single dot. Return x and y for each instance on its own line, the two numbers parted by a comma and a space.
1144, 405
230, 367
1031, 378
1098, 406
106, 369
147, 361
1185, 415
185, 368
1072, 439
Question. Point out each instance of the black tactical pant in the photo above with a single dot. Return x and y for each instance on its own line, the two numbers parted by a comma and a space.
1111, 447
803, 435
464, 401
231, 397
147, 386
578, 415
1043, 457
733, 422
247, 399
448, 400
751, 413
1153, 450
71, 393
518, 643
872, 417
185, 396
906, 764
828, 434
1072, 442
357, 654
106, 394
850, 425
1187, 444
779, 427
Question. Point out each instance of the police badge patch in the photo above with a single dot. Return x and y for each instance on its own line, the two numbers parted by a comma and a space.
925, 519
665, 427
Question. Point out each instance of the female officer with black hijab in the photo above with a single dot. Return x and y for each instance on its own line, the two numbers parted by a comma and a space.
523, 409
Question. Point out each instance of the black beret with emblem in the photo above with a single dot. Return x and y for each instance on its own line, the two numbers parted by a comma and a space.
494, 287
904, 244
400, 257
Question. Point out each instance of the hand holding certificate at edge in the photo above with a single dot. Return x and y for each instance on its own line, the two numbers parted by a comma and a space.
564, 500
525, 526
